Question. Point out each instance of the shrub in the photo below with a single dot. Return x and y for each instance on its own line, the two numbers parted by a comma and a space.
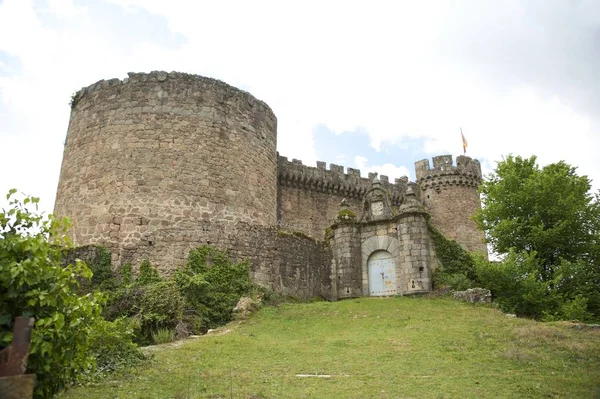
516, 285
148, 274
162, 336
111, 344
212, 284
161, 306
34, 283
154, 306
576, 309
579, 282
456, 281
125, 301
126, 274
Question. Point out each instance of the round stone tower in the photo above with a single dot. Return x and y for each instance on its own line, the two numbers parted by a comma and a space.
450, 193
161, 162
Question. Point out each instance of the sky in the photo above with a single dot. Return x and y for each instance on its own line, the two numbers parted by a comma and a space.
372, 85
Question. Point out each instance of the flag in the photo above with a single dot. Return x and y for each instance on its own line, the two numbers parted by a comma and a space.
464, 140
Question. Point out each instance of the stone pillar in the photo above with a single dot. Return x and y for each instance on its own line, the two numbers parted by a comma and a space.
346, 266
415, 257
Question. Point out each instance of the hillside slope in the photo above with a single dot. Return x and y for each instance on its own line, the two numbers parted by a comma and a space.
372, 348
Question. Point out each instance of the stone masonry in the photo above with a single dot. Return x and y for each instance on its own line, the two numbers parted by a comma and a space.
159, 163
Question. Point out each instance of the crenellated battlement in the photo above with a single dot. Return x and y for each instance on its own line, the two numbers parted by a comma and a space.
334, 181
177, 81
466, 172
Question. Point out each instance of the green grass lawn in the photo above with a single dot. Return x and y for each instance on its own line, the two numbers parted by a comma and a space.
371, 348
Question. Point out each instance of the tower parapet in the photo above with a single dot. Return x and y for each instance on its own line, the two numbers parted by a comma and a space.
450, 194
466, 172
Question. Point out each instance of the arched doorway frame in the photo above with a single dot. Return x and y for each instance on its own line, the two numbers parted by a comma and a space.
379, 243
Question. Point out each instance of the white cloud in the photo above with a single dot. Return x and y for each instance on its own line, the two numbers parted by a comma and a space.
64, 8
516, 80
387, 169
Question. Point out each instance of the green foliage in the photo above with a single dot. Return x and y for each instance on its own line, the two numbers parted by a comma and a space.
163, 336
33, 283
212, 284
153, 306
456, 281
126, 274
148, 274
457, 267
75, 97
202, 294
102, 273
576, 309
161, 306
103, 278
579, 279
345, 215
347, 212
549, 211
194, 321
515, 285
111, 344
124, 301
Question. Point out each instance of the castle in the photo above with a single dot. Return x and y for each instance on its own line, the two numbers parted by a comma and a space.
159, 163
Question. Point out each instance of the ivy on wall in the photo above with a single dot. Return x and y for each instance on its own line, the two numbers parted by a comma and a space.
457, 266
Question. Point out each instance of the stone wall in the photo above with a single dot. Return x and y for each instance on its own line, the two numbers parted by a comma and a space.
309, 198
288, 263
450, 194
88, 253
166, 158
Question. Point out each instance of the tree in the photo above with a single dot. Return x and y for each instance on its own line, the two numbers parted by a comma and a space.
548, 211
546, 224
34, 283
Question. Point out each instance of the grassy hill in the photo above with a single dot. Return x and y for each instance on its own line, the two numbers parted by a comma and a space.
371, 348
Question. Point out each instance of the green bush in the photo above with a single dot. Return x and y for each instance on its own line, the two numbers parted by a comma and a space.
202, 294
34, 283
161, 306
194, 321
111, 344
154, 306
456, 281
124, 301
126, 274
212, 284
576, 281
163, 336
516, 285
103, 278
576, 309
148, 274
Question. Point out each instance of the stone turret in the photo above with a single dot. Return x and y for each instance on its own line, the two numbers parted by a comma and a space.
450, 194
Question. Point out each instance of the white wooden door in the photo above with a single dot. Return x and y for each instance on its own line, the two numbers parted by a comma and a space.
382, 274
